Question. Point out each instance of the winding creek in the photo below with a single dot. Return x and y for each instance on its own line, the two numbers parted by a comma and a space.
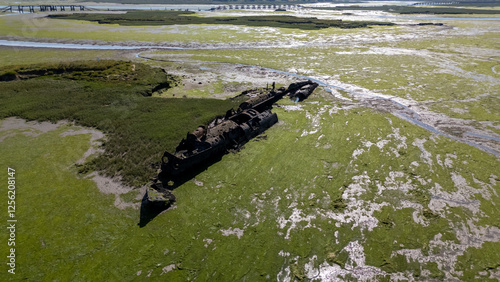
404, 111
12, 43
413, 118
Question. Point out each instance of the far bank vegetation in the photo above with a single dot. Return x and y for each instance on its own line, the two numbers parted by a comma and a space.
114, 97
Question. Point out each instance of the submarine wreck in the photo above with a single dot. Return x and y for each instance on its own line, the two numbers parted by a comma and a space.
207, 144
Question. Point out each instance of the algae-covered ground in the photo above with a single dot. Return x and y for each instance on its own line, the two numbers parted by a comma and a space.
389, 171
333, 191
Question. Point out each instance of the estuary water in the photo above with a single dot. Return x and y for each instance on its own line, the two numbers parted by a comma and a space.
79, 46
148, 7
413, 118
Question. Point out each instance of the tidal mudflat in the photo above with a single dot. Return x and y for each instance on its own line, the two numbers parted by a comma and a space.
390, 171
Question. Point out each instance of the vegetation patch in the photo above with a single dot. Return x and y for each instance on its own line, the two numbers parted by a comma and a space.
355, 193
414, 10
109, 96
143, 76
421, 76
27, 56
483, 109
138, 18
301, 198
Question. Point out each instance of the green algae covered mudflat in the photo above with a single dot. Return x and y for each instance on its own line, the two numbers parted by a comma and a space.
389, 173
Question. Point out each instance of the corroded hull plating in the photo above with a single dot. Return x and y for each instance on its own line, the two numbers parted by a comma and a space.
233, 138
207, 145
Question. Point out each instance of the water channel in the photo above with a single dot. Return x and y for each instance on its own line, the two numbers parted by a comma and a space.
413, 117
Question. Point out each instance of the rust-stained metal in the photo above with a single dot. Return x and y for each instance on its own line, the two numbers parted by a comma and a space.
207, 144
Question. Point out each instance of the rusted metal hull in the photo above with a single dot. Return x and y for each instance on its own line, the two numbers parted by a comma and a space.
207, 145
237, 135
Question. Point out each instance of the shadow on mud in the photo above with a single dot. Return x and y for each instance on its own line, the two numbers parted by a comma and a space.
166, 185
149, 211
207, 144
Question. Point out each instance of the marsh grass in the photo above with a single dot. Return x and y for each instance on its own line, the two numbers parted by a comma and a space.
26, 56
140, 18
111, 99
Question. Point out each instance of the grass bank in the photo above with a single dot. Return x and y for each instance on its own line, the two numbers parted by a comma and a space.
112, 97
151, 18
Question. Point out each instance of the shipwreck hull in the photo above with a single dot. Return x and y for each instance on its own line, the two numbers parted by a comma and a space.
207, 145
247, 125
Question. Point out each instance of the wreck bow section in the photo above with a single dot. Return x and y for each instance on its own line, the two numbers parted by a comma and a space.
207, 144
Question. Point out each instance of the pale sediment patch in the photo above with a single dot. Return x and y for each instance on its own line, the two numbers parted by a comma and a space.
207, 242
335, 108
95, 141
392, 183
296, 217
14, 125
284, 274
111, 186
296, 107
468, 235
34, 128
495, 69
357, 212
315, 120
284, 254
355, 267
464, 196
197, 182
233, 231
393, 138
259, 215
425, 155
168, 268
417, 211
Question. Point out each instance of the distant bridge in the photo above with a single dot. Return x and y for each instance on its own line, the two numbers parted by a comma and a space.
256, 7
43, 8
434, 3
